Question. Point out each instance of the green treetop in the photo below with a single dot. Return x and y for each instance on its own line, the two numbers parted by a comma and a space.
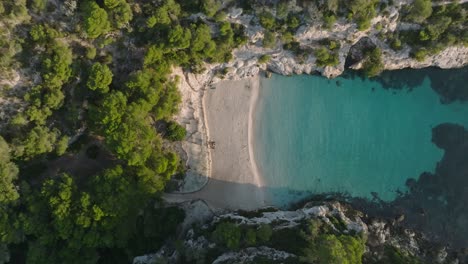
96, 21
100, 78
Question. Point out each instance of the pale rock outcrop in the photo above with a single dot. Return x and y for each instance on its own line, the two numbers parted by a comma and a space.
249, 254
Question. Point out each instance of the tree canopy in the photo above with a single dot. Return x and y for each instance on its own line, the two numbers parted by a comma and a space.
8, 174
100, 78
96, 21
420, 10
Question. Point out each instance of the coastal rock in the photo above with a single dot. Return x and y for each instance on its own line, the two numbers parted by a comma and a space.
380, 235
249, 254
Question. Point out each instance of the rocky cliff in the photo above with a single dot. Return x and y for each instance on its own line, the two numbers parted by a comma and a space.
311, 32
290, 235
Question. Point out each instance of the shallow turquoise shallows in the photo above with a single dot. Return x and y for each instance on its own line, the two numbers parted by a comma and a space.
314, 135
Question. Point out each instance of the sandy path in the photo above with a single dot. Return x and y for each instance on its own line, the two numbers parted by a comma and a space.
235, 182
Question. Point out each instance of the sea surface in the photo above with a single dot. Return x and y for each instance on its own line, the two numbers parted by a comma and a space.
350, 135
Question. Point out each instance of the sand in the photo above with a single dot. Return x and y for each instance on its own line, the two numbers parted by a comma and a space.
235, 182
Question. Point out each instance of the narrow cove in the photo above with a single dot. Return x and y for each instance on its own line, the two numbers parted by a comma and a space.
347, 135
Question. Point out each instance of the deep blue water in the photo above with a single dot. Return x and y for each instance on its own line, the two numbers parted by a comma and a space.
314, 135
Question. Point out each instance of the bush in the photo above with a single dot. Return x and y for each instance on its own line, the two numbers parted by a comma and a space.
264, 233
250, 237
209, 7
420, 10
396, 256
91, 53
227, 234
175, 132
267, 20
396, 44
373, 64
38, 5
326, 57
287, 37
420, 54
62, 145
332, 249
264, 59
329, 20
362, 11
269, 40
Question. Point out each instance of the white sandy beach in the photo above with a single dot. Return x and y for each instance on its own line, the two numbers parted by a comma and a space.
235, 182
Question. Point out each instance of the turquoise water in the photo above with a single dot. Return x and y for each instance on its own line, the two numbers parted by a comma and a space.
314, 136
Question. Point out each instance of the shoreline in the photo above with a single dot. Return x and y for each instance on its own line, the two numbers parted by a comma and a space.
255, 83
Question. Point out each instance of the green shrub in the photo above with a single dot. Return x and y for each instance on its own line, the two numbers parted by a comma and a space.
267, 20
420, 54
264, 233
329, 20
362, 11
378, 26
326, 57
396, 256
332, 249
175, 132
264, 59
282, 9
62, 145
209, 7
287, 37
269, 40
420, 10
38, 5
220, 16
373, 64
227, 234
293, 22
90, 53
396, 44
250, 237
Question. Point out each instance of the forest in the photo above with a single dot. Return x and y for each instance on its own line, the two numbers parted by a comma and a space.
82, 163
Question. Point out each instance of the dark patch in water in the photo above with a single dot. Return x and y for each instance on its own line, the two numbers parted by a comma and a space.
436, 203
450, 84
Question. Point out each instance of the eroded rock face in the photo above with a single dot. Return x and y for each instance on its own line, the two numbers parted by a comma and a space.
352, 44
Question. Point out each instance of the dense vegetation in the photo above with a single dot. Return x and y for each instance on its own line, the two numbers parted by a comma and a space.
313, 242
82, 163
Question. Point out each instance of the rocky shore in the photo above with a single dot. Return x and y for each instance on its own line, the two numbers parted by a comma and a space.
385, 240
